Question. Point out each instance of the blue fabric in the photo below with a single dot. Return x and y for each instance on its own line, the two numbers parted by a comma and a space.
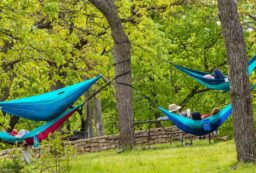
199, 127
207, 125
5, 136
216, 84
47, 106
218, 75
251, 65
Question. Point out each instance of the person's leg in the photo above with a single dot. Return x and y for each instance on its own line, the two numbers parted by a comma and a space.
218, 75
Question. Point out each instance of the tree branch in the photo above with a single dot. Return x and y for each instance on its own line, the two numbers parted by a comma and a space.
192, 94
251, 16
8, 66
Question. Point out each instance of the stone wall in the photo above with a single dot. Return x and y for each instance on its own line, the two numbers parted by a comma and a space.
157, 135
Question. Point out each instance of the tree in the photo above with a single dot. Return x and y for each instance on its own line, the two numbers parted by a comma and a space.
98, 116
241, 98
122, 58
88, 120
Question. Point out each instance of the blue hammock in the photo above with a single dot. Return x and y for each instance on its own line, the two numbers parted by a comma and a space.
35, 136
47, 106
199, 127
215, 84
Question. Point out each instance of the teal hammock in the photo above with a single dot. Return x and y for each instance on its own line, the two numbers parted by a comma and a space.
47, 106
35, 136
215, 84
199, 127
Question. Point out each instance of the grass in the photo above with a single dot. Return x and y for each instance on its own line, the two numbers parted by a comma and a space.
199, 158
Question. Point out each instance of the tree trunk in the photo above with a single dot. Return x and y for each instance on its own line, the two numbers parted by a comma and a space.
156, 116
88, 121
12, 122
122, 57
82, 133
68, 126
98, 116
241, 98
6, 93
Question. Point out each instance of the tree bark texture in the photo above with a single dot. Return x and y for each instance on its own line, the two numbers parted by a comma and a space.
122, 57
88, 121
241, 98
98, 116
83, 133
12, 122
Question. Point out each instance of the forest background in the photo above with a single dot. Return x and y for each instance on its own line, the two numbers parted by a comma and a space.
48, 44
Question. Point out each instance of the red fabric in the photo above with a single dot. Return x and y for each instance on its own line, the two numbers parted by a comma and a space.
14, 132
51, 129
205, 115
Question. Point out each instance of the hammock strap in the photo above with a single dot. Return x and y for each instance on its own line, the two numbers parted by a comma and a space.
36, 142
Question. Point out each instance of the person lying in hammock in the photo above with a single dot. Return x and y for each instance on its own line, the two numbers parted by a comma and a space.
176, 109
199, 116
217, 74
213, 112
19, 134
193, 115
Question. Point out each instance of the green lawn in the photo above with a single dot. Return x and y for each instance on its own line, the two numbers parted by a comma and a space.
199, 158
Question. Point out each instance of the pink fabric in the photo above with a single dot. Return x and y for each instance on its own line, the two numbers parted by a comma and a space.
21, 133
205, 115
51, 129
209, 76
